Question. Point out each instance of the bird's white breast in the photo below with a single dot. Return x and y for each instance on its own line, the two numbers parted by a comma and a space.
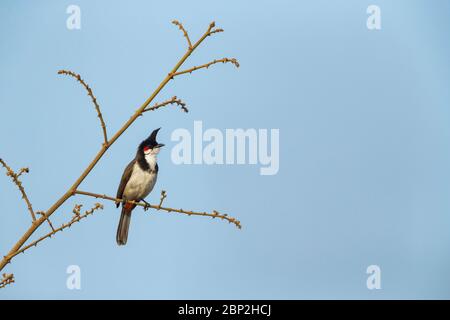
151, 159
140, 184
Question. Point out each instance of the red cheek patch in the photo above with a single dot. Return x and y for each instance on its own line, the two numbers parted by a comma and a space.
146, 149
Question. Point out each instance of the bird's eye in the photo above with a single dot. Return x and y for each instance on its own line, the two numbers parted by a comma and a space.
146, 148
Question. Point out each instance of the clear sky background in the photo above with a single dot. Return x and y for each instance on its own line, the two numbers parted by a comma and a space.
364, 119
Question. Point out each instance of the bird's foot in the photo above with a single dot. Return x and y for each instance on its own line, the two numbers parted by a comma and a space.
146, 205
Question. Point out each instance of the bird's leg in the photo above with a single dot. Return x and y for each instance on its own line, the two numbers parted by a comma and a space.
147, 205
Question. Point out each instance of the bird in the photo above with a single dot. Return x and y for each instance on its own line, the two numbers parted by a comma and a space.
138, 180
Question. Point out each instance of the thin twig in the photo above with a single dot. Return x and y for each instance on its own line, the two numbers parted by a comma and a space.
211, 29
42, 213
7, 279
15, 178
22, 170
215, 31
206, 65
173, 100
77, 209
180, 26
214, 214
163, 196
94, 100
75, 218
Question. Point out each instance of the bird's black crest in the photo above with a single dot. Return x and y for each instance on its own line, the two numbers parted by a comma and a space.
150, 141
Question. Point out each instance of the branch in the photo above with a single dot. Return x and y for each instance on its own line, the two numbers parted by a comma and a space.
42, 213
215, 31
174, 100
94, 100
15, 178
7, 279
76, 218
22, 170
211, 29
214, 214
206, 65
180, 26
163, 196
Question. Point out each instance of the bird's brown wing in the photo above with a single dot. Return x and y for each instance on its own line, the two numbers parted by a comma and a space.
123, 182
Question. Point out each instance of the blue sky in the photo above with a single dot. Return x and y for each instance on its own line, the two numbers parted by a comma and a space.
364, 126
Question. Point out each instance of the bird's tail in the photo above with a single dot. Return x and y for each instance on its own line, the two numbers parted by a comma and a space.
124, 223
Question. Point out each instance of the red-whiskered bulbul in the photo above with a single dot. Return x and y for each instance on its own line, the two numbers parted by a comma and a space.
137, 182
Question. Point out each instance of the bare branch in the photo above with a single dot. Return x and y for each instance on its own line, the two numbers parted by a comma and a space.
76, 218
15, 178
215, 31
42, 213
7, 279
76, 209
22, 170
163, 196
206, 65
214, 214
211, 29
180, 26
174, 100
94, 100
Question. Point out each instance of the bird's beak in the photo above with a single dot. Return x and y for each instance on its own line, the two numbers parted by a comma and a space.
159, 145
